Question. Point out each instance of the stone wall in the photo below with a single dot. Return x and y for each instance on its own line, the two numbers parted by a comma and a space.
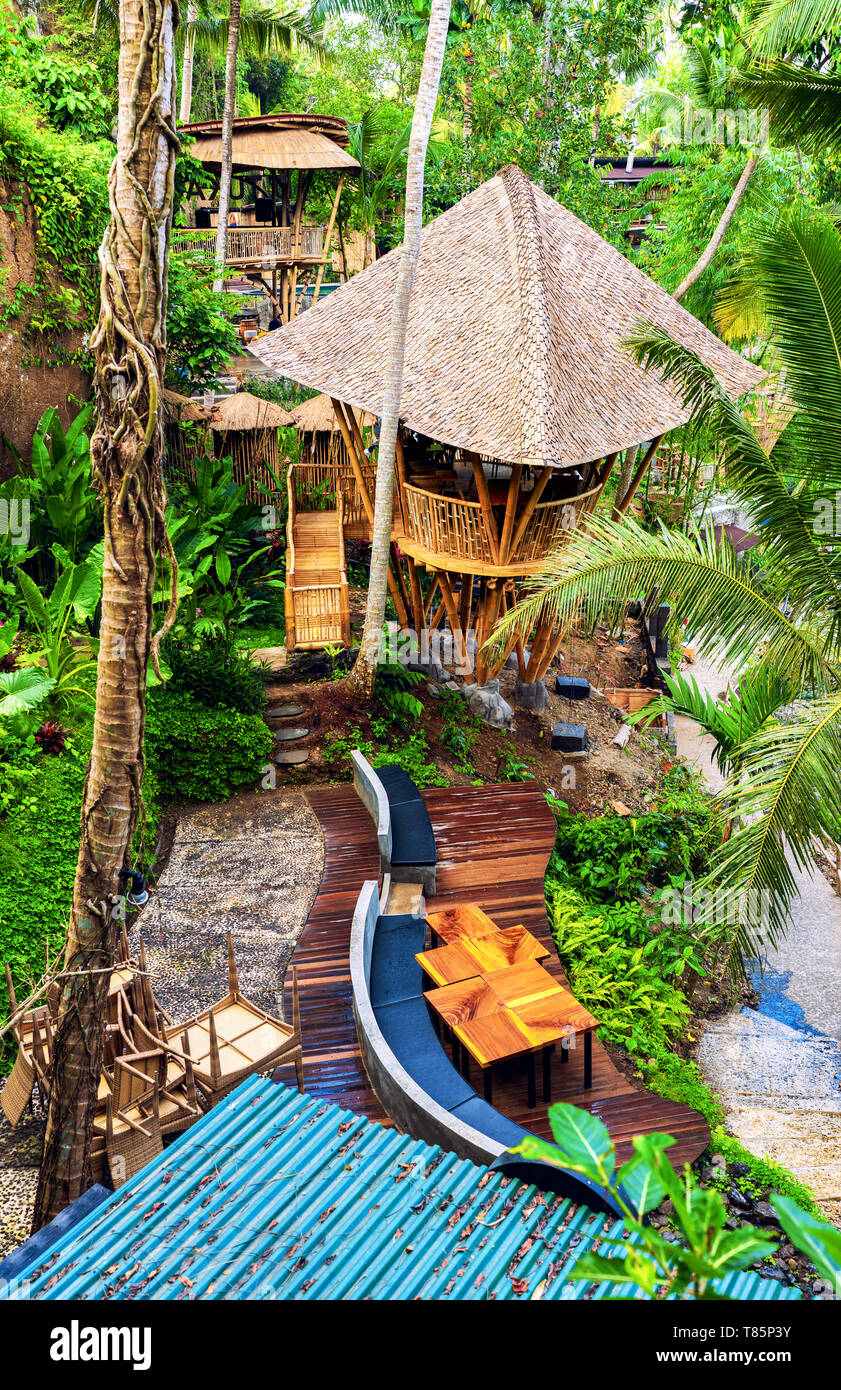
27, 391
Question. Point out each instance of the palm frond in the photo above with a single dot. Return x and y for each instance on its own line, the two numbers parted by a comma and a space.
783, 26
804, 106
787, 520
263, 30
731, 722
786, 792
605, 563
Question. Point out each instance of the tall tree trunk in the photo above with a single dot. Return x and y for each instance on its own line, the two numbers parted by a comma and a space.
227, 142
361, 679
718, 235
187, 65
129, 344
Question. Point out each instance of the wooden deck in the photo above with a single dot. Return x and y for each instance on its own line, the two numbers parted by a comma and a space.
493, 846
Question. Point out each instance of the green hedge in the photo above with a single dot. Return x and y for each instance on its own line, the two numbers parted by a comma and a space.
38, 852
199, 753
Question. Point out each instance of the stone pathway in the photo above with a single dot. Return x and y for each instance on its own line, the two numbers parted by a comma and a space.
777, 1070
251, 866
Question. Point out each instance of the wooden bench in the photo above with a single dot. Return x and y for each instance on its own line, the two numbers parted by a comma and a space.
404, 831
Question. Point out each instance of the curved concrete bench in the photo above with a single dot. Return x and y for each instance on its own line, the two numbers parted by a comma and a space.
404, 831
409, 1068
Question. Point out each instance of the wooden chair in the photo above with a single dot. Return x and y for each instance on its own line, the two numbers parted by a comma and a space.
234, 1039
132, 1114
34, 1036
178, 1095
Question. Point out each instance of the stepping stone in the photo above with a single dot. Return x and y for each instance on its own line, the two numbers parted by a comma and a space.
283, 712
289, 735
291, 757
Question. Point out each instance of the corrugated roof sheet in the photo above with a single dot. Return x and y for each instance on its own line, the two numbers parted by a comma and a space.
275, 1195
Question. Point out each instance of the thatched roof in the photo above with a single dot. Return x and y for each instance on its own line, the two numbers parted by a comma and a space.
316, 416
243, 411
513, 349
183, 409
774, 409
280, 141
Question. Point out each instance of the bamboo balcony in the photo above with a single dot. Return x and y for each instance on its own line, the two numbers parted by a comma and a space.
454, 529
267, 247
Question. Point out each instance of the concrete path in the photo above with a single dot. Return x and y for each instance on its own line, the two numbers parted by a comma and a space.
777, 1070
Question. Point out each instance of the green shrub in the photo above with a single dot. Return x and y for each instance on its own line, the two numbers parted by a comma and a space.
611, 858
215, 673
199, 753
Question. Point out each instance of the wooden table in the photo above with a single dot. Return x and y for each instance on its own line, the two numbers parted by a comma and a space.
465, 919
473, 955
517, 1011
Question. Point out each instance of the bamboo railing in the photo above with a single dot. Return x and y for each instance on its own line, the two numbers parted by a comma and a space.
322, 481
447, 525
456, 528
317, 615
255, 245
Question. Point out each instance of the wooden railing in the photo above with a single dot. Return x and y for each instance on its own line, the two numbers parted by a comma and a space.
256, 245
456, 528
317, 615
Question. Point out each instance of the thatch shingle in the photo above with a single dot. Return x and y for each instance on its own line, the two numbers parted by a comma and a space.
183, 409
513, 351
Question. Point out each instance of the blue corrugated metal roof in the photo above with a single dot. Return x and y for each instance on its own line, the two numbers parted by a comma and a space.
275, 1195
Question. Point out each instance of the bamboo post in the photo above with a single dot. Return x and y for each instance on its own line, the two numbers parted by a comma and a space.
328, 237
417, 595
534, 497
510, 513
485, 500
354, 459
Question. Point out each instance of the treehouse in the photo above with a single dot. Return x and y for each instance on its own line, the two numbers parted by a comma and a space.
516, 404
275, 159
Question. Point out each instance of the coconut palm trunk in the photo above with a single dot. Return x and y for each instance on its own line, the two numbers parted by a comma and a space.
718, 235
227, 142
361, 680
187, 65
129, 347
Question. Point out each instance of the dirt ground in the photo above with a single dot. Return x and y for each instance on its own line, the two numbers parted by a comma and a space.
588, 782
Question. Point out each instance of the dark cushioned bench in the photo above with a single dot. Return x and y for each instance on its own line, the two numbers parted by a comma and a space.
412, 836
396, 996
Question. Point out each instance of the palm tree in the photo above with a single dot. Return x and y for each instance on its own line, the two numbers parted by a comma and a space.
127, 447
361, 680
227, 143
784, 788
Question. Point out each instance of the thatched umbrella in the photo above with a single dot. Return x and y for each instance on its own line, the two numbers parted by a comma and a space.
245, 428
514, 354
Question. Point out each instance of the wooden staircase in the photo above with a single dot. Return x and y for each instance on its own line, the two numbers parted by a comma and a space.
317, 596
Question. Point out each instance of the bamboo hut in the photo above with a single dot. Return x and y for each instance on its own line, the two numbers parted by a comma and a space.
186, 426
517, 398
245, 427
325, 465
275, 158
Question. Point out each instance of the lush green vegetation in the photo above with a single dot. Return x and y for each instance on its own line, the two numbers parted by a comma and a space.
636, 966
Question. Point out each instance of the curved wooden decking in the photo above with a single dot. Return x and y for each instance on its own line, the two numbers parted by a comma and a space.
493, 844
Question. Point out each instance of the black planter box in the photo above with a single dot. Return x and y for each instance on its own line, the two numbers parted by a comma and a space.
572, 687
569, 738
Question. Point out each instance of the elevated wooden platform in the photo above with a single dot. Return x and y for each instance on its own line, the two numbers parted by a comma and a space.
493, 844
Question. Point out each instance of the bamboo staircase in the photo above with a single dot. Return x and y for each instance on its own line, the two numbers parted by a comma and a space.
317, 596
